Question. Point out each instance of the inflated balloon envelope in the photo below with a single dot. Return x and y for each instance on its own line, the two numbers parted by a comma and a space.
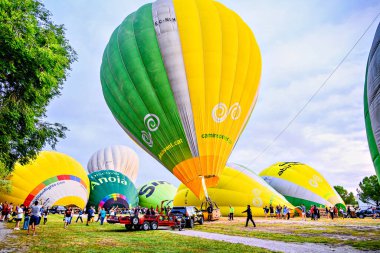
52, 178
118, 158
372, 101
181, 78
238, 187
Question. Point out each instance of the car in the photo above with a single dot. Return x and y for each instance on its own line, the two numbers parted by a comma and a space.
191, 214
57, 209
368, 213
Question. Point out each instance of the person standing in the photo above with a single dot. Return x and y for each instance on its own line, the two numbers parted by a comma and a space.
102, 215
249, 216
271, 211
332, 213
28, 212
68, 213
79, 216
34, 218
266, 211
90, 215
209, 212
45, 215
303, 211
20, 213
232, 210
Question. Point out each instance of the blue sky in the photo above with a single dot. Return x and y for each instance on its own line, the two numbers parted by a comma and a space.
301, 43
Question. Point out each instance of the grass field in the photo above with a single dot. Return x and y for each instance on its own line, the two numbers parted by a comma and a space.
52, 237
359, 233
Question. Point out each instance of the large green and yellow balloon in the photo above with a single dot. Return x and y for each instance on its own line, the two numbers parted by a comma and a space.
301, 184
238, 187
372, 101
181, 78
52, 179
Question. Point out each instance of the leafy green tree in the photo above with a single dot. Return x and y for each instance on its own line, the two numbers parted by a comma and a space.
35, 58
369, 190
348, 197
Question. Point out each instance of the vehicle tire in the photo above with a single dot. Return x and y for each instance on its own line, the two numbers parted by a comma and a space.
154, 225
191, 223
361, 216
135, 220
145, 226
128, 226
201, 220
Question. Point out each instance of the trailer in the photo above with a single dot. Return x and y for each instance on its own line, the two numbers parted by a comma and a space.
146, 222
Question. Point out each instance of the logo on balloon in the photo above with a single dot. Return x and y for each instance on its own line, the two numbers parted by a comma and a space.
257, 201
220, 112
315, 180
152, 122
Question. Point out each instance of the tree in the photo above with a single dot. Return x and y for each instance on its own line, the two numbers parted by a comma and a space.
35, 58
369, 190
347, 197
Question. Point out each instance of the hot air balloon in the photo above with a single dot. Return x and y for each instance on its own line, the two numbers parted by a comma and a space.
181, 78
301, 184
238, 186
372, 101
110, 188
118, 158
52, 178
156, 193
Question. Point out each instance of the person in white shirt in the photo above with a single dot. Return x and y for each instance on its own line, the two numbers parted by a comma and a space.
19, 216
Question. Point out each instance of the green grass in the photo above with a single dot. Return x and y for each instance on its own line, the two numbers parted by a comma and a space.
52, 237
361, 234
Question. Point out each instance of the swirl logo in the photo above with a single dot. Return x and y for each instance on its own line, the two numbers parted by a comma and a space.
235, 111
256, 200
315, 180
220, 112
147, 138
152, 122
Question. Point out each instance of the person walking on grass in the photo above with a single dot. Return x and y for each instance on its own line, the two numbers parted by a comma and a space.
90, 215
34, 218
332, 213
79, 216
249, 216
102, 215
68, 213
28, 212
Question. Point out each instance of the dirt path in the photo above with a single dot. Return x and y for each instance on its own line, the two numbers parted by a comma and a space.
269, 244
4, 232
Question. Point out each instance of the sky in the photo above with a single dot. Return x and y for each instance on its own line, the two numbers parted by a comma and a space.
301, 43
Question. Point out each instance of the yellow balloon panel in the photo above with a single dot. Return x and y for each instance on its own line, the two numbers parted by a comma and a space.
300, 181
51, 177
223, 68
238, 187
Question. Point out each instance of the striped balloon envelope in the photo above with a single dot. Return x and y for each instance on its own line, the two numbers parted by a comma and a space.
372, 101
181, 78
52, 179
301, 184
118, 158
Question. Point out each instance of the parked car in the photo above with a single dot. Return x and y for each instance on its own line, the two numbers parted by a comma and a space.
57, 209
190, 213
368, 213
